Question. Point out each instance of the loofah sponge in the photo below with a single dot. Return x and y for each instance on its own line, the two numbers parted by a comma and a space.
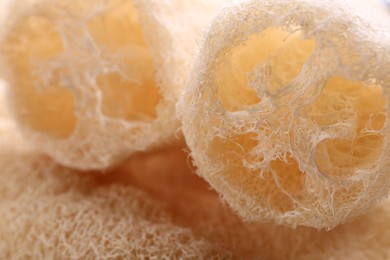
94, 81
286, 111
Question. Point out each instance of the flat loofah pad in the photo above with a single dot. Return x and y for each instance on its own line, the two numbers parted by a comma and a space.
94, 81
286, 108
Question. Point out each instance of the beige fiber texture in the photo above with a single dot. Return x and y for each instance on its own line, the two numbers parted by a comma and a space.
286, 111
93, 81
152, 206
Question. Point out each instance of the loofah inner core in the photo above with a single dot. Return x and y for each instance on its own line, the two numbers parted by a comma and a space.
63, 65
277, 124
41, 99
129, 91
285, 51
355, 114
275, 188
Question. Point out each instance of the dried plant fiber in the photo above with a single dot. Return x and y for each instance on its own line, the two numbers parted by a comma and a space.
286, 111
50, 212
92, 81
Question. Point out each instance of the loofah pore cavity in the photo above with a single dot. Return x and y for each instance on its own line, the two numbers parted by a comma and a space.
290, 111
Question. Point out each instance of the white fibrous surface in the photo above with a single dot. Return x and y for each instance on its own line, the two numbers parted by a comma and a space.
286, 111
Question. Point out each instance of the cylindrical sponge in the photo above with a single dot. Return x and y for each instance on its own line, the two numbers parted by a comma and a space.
94, 81
286, 111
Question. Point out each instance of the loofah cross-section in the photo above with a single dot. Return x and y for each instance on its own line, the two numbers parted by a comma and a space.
286, 111
94, 81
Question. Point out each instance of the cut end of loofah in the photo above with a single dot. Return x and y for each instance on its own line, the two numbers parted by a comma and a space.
290, 112
55, 61
95, 81
82, 80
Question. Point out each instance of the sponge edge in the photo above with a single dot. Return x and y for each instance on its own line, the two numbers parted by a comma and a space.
286, 108
107, 84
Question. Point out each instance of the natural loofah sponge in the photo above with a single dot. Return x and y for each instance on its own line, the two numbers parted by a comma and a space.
94, 81
286, 111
